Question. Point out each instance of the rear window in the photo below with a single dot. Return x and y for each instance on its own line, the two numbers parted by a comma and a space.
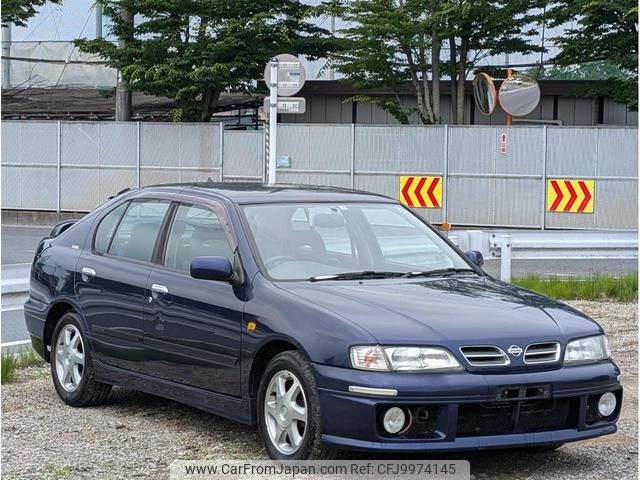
137, 232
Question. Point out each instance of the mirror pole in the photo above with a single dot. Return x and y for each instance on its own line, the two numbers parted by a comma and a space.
509, 119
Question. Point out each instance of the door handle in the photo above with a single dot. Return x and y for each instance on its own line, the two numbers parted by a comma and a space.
88, 272
156, 287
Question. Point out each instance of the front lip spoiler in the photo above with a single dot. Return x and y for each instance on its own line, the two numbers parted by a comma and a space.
472, 443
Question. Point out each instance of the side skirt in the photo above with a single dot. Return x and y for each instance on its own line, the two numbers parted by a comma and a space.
237, 409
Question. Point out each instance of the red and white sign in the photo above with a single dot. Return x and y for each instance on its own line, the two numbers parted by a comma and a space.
504, 143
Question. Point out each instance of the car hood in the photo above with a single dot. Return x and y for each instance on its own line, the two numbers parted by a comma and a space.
459, 310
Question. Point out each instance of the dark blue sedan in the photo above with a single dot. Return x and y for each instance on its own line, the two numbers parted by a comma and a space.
330, 318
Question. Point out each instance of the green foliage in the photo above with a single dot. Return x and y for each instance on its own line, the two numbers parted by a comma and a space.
193, 50
599, 70
11, 364
605, 31
598, 287
19, 11
394, 43
8, 365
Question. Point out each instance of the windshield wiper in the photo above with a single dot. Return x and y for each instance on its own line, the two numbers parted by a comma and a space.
441, 272
356, 275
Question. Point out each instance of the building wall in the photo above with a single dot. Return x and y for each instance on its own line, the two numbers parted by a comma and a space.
572, 111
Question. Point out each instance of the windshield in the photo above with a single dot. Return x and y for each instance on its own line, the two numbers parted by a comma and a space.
306, 240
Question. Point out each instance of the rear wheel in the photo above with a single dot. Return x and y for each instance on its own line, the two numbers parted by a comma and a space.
289, 410
72, 367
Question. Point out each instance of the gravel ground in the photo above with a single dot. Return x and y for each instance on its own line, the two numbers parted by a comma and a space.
137, 435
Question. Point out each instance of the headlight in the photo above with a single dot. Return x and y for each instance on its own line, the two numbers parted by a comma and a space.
589, 349
403, 358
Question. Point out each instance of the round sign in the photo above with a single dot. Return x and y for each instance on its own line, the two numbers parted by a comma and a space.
484, 92
519, 95
291, 75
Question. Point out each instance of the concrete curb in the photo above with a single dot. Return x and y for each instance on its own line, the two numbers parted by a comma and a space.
37, 217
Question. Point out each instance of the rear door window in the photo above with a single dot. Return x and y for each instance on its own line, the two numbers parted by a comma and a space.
138, 230
107, 227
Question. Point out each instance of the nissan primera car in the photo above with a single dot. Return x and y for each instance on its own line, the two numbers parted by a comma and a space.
330, 318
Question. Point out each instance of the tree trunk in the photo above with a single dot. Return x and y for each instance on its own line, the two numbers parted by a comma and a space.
454, 85
461, 74
210, 99
424, 108
435, 75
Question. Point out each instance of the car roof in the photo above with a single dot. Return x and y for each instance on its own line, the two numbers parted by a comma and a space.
246, 193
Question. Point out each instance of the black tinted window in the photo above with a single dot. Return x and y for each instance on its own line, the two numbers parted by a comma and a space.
138, 230
107, 226
195, 232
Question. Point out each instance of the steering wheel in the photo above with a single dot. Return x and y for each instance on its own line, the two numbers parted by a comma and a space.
279, 260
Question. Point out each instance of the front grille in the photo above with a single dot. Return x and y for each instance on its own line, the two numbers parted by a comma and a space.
527, 416
484, 355
545, 352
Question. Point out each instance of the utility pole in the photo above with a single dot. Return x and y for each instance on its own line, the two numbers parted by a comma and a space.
123, 94
6, 52
98, 21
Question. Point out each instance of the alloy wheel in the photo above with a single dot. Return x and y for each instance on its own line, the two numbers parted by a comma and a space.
285, 412
69, 358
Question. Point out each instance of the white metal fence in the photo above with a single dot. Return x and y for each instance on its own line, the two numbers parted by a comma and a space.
74, 166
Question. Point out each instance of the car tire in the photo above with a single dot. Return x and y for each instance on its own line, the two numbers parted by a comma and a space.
72, 366
281, 416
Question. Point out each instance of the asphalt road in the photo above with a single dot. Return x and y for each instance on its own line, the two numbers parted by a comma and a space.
19, 242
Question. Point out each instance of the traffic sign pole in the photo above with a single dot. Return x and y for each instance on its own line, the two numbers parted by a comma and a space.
273, 121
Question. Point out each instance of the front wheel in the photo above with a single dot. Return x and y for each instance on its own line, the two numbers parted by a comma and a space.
289, 410
72, 366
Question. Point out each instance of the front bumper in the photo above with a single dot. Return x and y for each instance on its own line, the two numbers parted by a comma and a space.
463, 409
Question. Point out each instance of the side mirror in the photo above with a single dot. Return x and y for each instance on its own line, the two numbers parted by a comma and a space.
475, 257
212, 268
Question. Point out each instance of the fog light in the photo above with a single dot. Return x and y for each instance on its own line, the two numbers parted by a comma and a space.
607, 404
393, 420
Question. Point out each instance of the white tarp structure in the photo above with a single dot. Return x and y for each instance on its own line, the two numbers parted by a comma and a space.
33, 64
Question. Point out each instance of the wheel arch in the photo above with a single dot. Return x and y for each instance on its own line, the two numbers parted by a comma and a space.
263, 356
54, 314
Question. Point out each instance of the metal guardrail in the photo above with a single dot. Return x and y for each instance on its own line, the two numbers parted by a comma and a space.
15, 290
547, 245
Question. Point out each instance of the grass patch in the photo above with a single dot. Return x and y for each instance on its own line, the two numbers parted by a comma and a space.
11, 364
598, 287
8, 368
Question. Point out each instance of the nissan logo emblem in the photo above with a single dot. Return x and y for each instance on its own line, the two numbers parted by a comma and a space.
515, 350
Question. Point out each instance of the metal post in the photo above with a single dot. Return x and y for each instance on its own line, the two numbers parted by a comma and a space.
98, 21
505, 258
123, 93
221, 150
273, 122
509, 72
353, 155
6, 52
138, 154
543, 216
445, 174
59, 166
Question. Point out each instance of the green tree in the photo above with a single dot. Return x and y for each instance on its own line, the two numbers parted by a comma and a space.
605, 30
194, 50
19, 12
391, 43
